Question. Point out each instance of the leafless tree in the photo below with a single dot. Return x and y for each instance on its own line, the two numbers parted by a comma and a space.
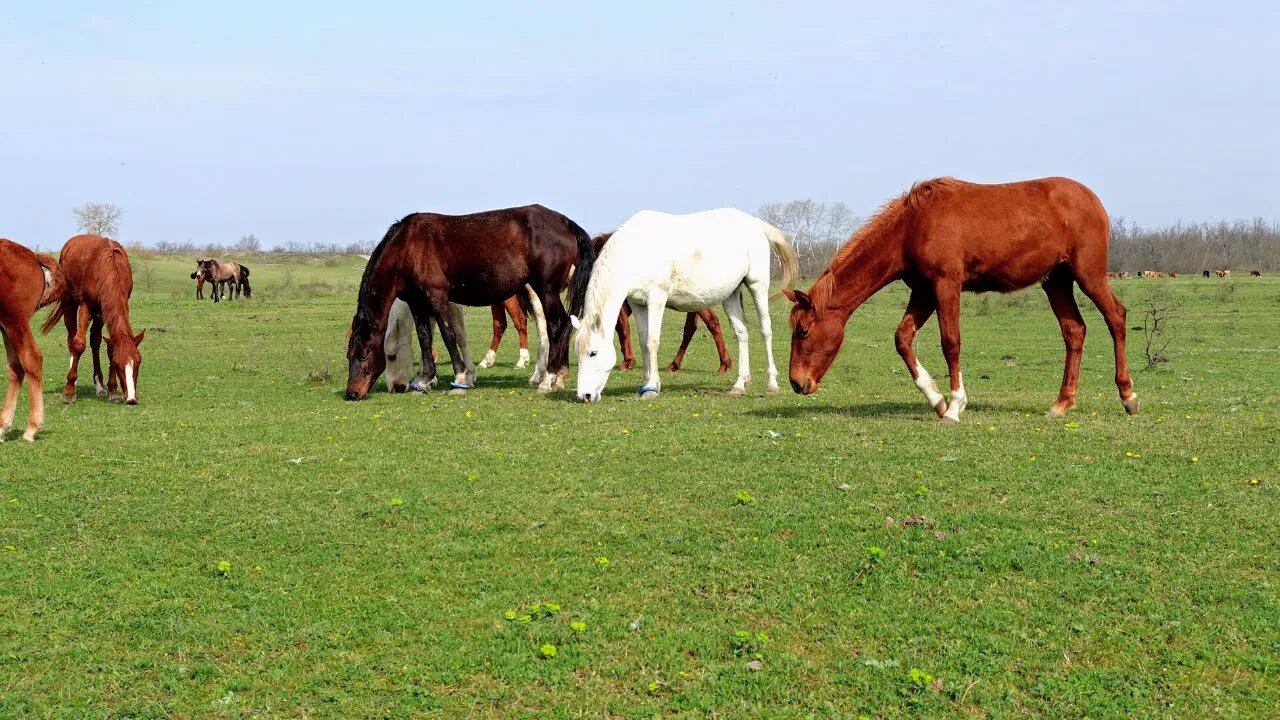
816, 229
249, 244
99, 219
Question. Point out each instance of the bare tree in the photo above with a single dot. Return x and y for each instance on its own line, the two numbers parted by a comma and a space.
99, 219
249, 244
816, 229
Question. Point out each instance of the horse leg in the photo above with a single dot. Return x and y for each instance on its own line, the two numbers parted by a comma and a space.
460, 331
1113, 311
443, 312
558, 329
713, 324
690, 327
919, 308
421, 311
33, 367
738, 321
947, 296
95, 346
16, 373
544, 344
518, 319
76, 319
760, 293
1058, 286
499, 327
650, 381
624, 337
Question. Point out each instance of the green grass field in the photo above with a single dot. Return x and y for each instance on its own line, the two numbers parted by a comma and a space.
244, 543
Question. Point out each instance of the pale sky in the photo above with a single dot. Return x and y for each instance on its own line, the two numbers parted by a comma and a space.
324, 121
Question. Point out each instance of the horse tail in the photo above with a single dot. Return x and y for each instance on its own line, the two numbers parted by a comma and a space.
244, 281
786, 255
581, 273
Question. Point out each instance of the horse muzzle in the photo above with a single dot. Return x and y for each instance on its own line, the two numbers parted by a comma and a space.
808, 387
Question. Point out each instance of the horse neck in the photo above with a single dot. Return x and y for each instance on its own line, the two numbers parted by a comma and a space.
605, 296
872, 260
112, 299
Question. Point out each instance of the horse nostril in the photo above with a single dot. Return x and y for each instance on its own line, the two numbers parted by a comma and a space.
586, 397
795, 385
131, 401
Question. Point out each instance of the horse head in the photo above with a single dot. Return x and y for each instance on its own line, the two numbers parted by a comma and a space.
596, 357
816, 336
125, 361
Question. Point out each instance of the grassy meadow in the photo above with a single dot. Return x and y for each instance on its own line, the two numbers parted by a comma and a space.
244, 543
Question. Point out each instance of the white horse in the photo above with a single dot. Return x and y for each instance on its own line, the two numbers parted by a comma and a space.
398, 346
683, 262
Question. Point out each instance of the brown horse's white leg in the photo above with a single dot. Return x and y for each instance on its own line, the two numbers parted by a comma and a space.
919, 308
1059, 288
518, 319
544, 343
737, 320
499, 327
947, 296
95, 350
1113, 311
76, 319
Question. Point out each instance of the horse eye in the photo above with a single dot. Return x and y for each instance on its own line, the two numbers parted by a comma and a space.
593, 353
802, 331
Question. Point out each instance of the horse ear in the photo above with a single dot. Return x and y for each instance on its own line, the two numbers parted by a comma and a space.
575, 322
799, 298
137, 339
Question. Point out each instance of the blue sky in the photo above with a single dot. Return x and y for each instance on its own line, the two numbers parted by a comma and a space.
317, 121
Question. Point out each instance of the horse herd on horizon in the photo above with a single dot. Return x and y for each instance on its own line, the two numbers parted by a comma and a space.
1223, 273
941, 237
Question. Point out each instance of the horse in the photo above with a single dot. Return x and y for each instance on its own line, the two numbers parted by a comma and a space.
1204, 273
1224, 273
945, 236
98, 284
223, 274
685, 262
430, 260
500, 311
1126, 275
707, 315
1173, 274
1255, 273
28, 282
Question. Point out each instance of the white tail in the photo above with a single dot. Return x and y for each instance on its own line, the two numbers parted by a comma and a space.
786, 255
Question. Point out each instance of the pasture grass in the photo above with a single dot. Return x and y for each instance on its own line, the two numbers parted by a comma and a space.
244, 543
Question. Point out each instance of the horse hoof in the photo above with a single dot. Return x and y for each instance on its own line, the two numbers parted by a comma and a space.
649, 395
29, 436
1131, 405
520, 365
1056, 412
723, 369
672, 368
941, 408
948, 420
100, 392
69, 399
736, 392
115, 399
772, 388
457, 391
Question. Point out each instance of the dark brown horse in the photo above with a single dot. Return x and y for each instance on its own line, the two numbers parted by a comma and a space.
28, 282
96, 293
429, 260
707, 315
946, 236
222, 274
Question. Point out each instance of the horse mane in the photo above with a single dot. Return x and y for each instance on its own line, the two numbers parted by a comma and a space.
112, 297
889, 216
593, 302
370, 268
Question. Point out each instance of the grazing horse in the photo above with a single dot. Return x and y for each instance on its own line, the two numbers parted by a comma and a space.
1255, 273
685, 262
430, 260
397, 345
1126, 275
28, 282
500, 311
97, 290
1204, 273
1224, 273
946, 236
1173, 274
707, 315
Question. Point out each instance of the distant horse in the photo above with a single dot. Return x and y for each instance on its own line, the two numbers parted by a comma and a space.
1111, 276
1255, 273
685, 262
28, 282
707, 315
97, 290
1126, 275
1173, 274
398, 346
1204, 273
500, 311
1224, 273
223, 274
430, 260
945, 236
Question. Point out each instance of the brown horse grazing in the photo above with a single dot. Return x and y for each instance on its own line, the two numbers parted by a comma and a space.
28, 282
1255, 273
96, 292
429, 260
707, 315
945, 236
500, 311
